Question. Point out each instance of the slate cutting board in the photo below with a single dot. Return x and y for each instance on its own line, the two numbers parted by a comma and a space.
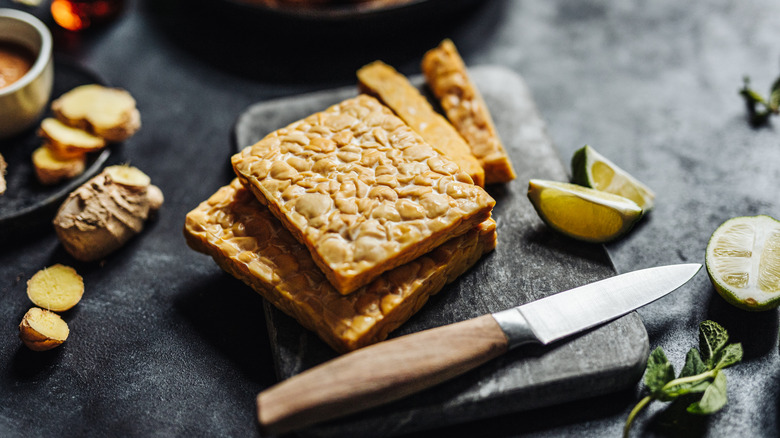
529, 263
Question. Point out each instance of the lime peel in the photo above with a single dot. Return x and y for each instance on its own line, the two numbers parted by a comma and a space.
583, 213
591, 169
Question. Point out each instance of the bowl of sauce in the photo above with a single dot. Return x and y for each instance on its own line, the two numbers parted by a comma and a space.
26, 71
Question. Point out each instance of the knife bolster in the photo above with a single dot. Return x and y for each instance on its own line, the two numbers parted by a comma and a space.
515, 327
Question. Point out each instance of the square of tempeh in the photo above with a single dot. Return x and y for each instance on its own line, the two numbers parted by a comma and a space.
449, 80
361, 189
394, 90
247, 241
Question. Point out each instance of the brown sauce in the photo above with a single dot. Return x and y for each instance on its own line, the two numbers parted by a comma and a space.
15, 61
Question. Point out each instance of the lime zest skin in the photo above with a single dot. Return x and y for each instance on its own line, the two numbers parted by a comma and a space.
583, 213
591, 169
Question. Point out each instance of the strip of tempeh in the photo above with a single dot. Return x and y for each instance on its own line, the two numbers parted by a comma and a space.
394, 90
361, 190
247, 241
449, 80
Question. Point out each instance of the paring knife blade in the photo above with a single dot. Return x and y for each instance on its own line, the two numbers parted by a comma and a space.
393, 369
565, 313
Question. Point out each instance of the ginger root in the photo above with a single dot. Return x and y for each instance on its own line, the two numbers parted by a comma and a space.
3, 166
106, 211
57, 288
51, 169
109, 113
42, 330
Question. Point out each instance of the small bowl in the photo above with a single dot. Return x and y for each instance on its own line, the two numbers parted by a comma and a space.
23, 102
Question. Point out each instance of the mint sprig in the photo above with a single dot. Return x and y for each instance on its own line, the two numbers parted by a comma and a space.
759, 109
701, 374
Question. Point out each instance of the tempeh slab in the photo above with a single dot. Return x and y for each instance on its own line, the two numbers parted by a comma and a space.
449, 80
394, 90
248, 242
361, 190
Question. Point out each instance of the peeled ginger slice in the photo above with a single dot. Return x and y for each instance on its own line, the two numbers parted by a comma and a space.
51, 169
57, 288
69, 141
110, 113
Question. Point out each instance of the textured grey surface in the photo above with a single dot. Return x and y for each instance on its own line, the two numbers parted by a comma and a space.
165, 344
530, 262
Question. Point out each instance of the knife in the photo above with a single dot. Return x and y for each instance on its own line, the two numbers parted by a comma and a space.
393, 369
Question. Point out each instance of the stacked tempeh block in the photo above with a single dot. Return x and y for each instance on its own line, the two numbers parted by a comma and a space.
347, 220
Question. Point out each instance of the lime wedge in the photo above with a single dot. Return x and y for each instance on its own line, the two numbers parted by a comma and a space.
582, 213
743, 261
591, 169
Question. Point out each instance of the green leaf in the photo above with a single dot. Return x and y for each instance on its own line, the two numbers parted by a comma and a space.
685, 388
693, 364
659, 371
774, 100
728, 356
759, 110
712, 339
693, 367
751, 96
774, 96
701, 377
714, 397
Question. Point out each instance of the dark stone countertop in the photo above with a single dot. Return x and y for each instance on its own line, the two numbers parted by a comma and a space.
651, 85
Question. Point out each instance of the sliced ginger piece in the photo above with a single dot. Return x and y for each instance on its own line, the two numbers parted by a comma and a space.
110, 113
128, 176
57, 288
69, 142
42, 330
51, 169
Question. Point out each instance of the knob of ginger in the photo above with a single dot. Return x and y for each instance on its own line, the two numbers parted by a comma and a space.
106, 211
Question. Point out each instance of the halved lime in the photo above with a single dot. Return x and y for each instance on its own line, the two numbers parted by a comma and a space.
591, 169
743, 261
581, 212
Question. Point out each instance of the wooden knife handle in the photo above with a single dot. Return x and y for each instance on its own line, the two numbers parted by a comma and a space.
379, 374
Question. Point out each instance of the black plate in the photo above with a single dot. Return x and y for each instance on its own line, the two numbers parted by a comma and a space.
377, 12
27, 202
339, 11
332, 10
